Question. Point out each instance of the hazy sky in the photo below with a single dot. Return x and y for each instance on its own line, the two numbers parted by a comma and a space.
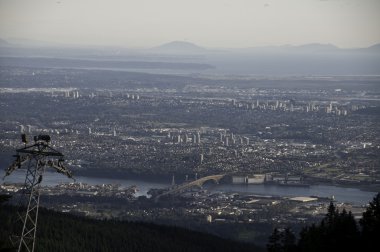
209, 23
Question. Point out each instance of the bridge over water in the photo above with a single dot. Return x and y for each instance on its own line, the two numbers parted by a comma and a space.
195, 183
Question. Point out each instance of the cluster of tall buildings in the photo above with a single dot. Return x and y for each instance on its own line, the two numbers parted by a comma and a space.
261, 105
231, 139
28, 129
292, 107
72, 94
113, 133
185, 138
133, 96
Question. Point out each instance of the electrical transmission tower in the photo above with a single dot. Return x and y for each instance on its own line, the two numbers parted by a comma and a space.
38, 156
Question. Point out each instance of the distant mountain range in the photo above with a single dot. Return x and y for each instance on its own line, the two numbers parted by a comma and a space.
187, 47
183, 47
185, 57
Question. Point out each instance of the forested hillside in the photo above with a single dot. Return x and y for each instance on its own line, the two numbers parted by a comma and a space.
63, 232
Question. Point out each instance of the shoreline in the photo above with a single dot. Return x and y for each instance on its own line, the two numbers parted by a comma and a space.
167, 179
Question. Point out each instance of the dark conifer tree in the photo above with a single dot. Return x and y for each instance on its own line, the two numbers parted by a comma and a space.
331, 216
4, 246
288, 240
311, 239
336, 232
274, 244
370, 224
282, 241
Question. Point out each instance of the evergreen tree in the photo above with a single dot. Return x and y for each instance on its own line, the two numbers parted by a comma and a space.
311, 239
284, 241
4, 246
338, 231
288, 241
274, 244
370, 224
332, 215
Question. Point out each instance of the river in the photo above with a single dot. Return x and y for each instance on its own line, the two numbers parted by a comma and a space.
341, 194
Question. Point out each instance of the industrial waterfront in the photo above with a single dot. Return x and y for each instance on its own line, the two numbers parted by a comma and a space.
341, 194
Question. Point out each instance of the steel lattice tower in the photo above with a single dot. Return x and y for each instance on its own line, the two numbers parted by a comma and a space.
38, 156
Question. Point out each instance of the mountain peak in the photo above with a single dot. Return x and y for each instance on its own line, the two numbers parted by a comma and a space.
375, 47
179, 47
317, 47
3, 42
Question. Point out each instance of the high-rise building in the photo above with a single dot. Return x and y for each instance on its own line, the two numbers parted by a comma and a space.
185, 138
201, 157
233, 141
246, 140
198, 138
173, 180
194, 139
